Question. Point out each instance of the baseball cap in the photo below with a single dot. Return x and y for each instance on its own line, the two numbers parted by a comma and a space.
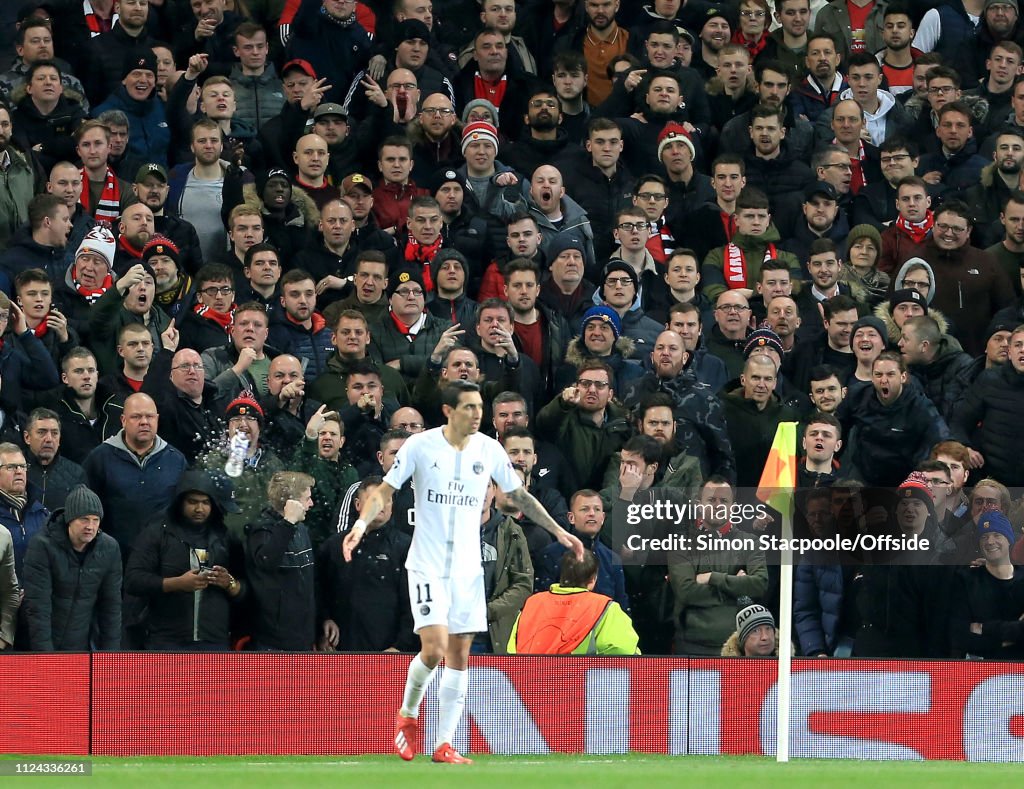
354, 180
151, 169
823, 188
330, 108
300, 64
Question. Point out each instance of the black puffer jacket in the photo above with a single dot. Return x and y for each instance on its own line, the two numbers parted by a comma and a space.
168, 548
65, 591
945, 377
996, 401
892, 439
279, 565
775, 177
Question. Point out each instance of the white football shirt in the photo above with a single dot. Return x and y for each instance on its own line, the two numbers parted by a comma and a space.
450, 487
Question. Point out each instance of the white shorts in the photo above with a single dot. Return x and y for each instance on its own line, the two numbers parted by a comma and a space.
456, 603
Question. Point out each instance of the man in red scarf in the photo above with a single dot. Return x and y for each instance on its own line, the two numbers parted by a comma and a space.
104, 195
425, 237
208, 323
906, 237
87, 278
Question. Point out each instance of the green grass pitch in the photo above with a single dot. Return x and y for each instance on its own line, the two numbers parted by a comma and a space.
526, 772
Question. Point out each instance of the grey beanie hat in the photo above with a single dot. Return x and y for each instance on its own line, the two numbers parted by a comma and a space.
480, 103
80, 502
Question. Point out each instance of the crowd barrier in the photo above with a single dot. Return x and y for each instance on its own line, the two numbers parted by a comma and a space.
125, 704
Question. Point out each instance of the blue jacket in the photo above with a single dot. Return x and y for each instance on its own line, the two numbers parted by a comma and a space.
34, 518
149, 136
611, 581
24, 364
314, 346
132, 488
817, 607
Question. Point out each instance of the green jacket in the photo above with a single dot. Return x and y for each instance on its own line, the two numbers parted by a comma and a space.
329, 386
17, 186
612, 634
705, 614
513, 583
754, 249
586, 446
388, 344
332, 482
107, 316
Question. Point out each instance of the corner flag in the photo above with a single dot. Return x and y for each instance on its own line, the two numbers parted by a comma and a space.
778, 481
779, 476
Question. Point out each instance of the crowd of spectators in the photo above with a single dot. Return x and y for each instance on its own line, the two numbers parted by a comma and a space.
244, 244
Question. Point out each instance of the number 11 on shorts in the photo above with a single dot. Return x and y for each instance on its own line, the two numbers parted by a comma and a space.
423, 594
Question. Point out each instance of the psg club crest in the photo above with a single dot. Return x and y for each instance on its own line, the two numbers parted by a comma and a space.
424, 609
478, 468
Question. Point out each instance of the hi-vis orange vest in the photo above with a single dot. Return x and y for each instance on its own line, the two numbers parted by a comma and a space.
557, 624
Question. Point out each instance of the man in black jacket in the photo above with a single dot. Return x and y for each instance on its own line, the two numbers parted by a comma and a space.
180, 567
49, 471
279, 564
73, 580
364, 604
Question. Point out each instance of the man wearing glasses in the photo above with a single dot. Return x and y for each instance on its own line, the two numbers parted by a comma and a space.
969, 286
208, 323
875, 204
436, 140
631, 233
405, 337
585, 422
21, 507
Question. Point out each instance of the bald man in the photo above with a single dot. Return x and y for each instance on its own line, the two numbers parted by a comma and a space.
134, 472
286, 405
311, 157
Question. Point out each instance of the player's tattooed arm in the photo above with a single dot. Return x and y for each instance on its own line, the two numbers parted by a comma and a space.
373, 506
534, 511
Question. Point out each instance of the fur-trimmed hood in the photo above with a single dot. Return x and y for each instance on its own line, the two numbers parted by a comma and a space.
731, 648
978, 106
303, 203
576, 354
883, 313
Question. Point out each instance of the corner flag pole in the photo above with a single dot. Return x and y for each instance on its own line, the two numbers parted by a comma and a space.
778, 481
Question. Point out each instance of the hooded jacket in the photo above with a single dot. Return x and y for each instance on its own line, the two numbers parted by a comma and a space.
167, 548
131, 487
625, 369
67, 593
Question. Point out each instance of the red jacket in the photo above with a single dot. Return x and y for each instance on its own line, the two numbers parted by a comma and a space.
391, 203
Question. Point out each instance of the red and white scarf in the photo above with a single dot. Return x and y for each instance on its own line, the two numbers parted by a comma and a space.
108, 208
222, 319
736, 264
918, 231
91, 295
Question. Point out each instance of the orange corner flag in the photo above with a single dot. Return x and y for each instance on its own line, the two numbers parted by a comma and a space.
778, 480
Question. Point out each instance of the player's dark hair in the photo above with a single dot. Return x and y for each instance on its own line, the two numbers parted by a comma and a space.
454, 390
518, 431
826, 419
